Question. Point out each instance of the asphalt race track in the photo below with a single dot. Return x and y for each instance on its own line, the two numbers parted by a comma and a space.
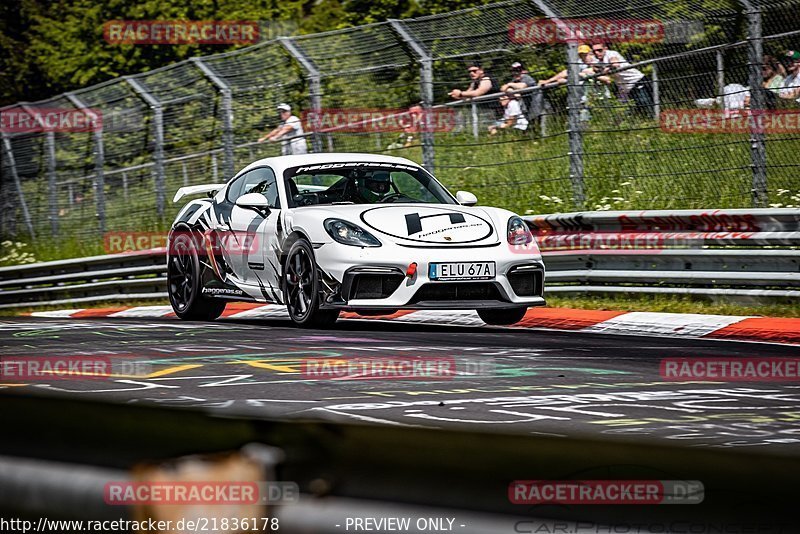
527, 381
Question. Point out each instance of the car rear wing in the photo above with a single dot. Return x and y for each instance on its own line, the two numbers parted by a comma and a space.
196, 190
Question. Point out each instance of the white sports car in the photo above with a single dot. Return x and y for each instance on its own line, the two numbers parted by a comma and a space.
322, 233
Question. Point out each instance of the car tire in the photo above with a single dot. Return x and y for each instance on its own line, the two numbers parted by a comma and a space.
504, 316
184, 284
301, 285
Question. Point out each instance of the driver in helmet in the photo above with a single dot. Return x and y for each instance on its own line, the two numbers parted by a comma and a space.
373, 187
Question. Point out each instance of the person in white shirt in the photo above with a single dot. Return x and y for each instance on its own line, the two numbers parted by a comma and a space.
631, 82
790, 90
512, 116
289, 132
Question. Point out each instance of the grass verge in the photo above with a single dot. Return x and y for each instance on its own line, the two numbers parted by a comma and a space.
674, 304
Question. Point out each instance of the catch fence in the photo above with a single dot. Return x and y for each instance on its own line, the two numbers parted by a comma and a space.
586, 146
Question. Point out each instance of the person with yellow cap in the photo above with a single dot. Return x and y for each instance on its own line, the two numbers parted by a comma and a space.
585, 53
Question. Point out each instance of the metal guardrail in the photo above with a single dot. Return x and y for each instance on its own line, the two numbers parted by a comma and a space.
112, 277
734, 253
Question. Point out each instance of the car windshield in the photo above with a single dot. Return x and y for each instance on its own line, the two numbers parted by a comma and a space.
362, 183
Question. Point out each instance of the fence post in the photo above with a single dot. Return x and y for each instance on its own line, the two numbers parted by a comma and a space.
50, 155
12, 165
721, 77
314, 86
99, 161
228, 164
425, 90
575, 129
158, 134
758, 148
574, 90
474, 114
656, 93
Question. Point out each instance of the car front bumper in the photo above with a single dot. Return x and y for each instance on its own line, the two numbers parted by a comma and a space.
379, 274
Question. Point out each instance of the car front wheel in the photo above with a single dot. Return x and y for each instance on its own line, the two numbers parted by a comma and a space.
302, 288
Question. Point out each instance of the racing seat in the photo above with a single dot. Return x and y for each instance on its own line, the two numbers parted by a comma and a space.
291, 185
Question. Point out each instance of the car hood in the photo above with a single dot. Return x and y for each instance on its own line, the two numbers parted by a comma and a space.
423, 225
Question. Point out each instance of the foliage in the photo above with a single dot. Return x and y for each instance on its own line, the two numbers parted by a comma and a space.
52, 46
15, 253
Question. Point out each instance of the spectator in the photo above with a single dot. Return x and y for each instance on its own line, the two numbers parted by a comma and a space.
631, 82
790, 90
585, 53
512, 116
412, 123
481, 83
289, 132
772, 72
520, 78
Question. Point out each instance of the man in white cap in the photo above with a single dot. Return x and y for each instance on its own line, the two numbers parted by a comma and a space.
290, 132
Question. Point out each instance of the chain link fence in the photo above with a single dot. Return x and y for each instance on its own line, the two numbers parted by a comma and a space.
591, 141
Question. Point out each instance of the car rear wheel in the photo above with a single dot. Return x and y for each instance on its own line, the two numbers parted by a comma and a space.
302, 288
183, 282
505, 316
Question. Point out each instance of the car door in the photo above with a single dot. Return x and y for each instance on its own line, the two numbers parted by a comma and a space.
253, 234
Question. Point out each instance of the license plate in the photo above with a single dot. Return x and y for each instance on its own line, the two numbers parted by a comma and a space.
465, 270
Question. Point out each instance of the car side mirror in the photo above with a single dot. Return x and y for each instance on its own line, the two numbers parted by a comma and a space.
465, 198
254, 201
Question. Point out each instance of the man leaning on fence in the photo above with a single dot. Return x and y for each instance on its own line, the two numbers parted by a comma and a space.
631, 83
289, 133
481, 83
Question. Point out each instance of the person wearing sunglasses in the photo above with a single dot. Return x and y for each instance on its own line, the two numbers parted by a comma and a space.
790, 90
481, 83
631, 83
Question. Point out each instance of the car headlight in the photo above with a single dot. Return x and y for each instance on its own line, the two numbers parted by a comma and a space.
518, 232
348, 233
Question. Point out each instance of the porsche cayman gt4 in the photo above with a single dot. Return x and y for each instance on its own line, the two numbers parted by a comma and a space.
323, 233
